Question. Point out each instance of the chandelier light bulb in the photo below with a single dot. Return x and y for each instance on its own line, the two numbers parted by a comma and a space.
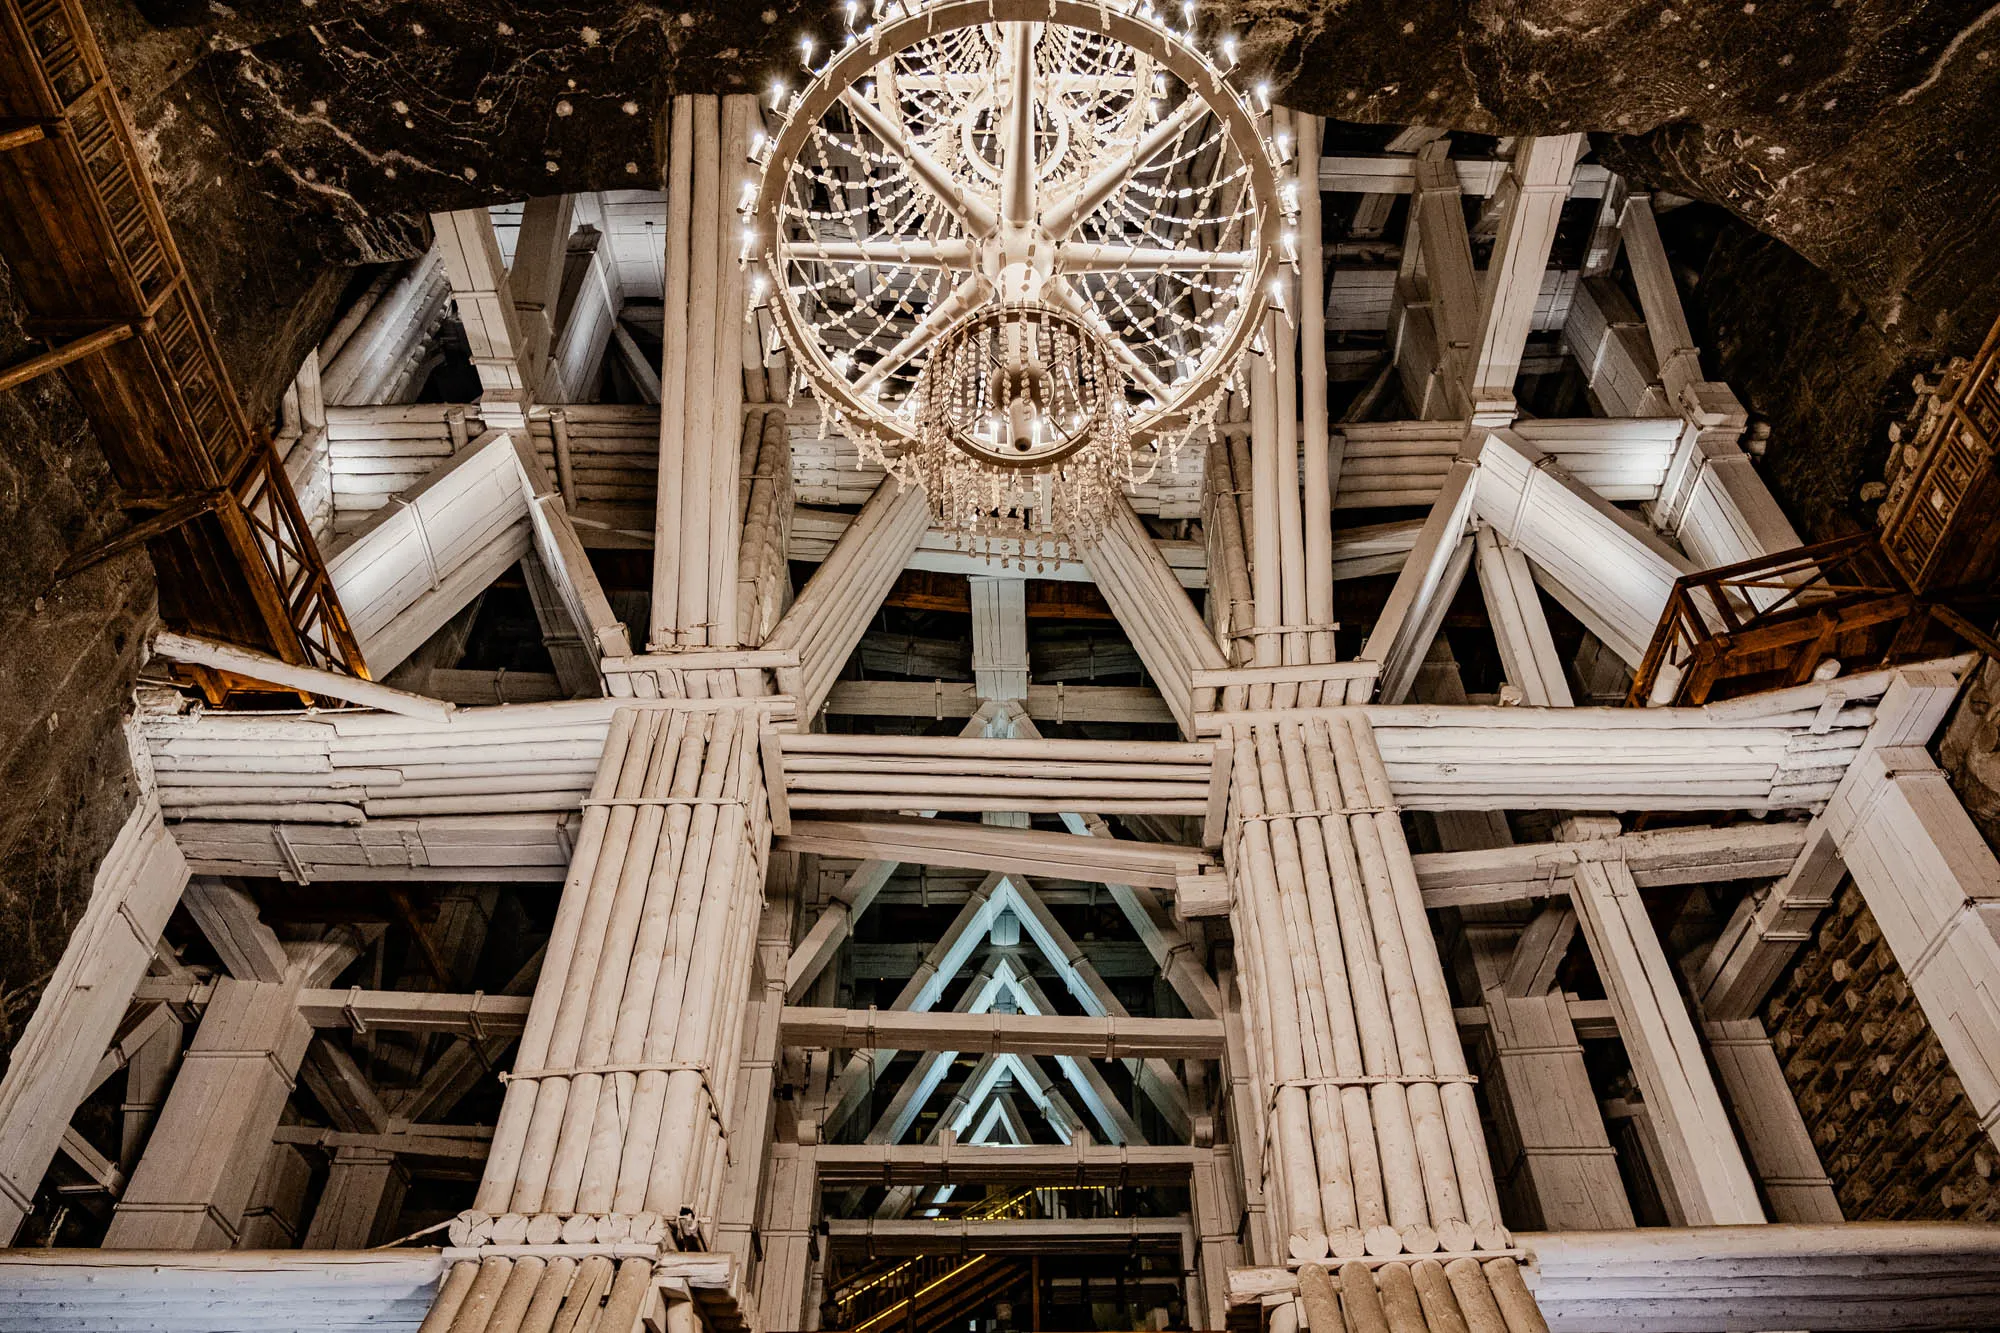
1229, 52
777, 93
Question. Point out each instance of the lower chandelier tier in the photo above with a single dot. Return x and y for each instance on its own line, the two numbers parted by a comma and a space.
1022, 427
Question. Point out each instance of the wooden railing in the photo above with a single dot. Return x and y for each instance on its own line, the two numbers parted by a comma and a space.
1776, 621
1941, 529
92, 255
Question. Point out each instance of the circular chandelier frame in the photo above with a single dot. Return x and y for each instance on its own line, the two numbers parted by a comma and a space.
1135, 28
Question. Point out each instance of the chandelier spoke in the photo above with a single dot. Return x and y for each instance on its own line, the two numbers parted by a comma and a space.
1063, 218
884, 253
1065, 298
962, 298
1018, 172
1091, 257
974, 214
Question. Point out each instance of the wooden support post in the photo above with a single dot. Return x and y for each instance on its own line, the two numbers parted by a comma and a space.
836, 605
1781, 1148
535, 279
1703, 1166
195, 1180
477, 273
1767, 927
1000, 637
1398, 640
54, 1062
1520, 628
577, 357
363, 1194
1538, 184
791, 1210
1611, 571
1154, 611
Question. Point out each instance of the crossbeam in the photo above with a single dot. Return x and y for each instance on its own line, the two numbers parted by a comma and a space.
1106, 1038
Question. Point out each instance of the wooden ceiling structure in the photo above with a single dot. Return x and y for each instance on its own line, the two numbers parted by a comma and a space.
1261, 975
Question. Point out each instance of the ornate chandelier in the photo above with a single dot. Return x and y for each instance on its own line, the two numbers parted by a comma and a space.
1017, 249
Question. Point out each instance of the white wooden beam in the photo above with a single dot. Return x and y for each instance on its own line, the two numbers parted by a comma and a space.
999, 636
535, 279
272, 671
1153, 610
843, 595
577, 356
1768, 926
967, 931
1611, 571
422, 557
1398, 640
1934, 887
1781, 1148
1538, 181
1520, 627
53, 1063
565, 561
1704, 1167
477, 273
195, 1180
1608, 339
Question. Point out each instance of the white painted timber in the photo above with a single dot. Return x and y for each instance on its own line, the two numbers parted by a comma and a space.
1609, 569
1704, 1168
1867, 1275
435, 547
52, 1067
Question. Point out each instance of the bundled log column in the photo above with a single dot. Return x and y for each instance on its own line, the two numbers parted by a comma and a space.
1375, 1145
699, 516
616, 1119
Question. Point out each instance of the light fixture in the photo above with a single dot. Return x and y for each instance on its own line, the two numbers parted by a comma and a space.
974, 231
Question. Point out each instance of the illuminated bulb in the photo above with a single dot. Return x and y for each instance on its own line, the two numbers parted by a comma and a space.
757, 146
806, 50
1263, 96
853, 10
1159, 85
1284, 147
1187, 11
1229, 50
749, 196
777, 93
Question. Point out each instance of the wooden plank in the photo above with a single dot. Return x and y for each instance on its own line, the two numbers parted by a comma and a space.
55, 1059
1107, 1038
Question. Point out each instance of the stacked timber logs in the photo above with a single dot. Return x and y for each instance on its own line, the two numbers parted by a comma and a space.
1375, 1146
1894, 1128
860, 772
837, 603
1457, 1295
1154, 611
615, 1123
763, 576
701, 377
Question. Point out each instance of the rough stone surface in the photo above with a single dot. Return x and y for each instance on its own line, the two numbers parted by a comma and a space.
67, 655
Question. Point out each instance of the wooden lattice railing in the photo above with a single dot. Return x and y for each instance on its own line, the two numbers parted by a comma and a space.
97, 268
1776, 621
1941, 528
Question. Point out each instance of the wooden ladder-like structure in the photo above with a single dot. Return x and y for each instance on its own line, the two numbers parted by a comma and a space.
104, 285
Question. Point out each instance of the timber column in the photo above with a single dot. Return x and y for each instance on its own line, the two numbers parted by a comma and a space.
1374, 1161
613, 1139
